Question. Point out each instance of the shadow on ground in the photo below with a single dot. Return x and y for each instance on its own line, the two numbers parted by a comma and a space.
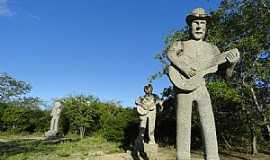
17, 146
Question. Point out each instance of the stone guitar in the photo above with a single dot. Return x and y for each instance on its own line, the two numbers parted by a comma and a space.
189, 84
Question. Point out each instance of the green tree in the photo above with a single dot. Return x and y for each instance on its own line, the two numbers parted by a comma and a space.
10, 87
18, 113
18, 119
244, 24
27, 102
3, 106
117, 123
80, 114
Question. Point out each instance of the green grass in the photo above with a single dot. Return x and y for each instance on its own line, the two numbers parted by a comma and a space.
32, 147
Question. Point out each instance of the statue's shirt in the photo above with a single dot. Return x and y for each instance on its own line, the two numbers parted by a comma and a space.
56, 111
198, 54
148, 102
190, 55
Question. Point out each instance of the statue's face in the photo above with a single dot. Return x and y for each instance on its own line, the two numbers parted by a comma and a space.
148, 90
57, 104
198, 29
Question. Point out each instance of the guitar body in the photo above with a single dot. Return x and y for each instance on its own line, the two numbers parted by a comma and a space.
180, 53
190, 84
141, 111
146, 104
184, 83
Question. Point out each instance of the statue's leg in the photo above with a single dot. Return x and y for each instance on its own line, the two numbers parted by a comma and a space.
52, 123
53, 128
151, 124
143, 120
183, 127
208, 124
56, 125
139, 142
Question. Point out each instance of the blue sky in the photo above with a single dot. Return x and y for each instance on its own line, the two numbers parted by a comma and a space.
104, 48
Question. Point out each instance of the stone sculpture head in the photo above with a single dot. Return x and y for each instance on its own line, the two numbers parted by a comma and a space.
197, 21
148, 89
57, 104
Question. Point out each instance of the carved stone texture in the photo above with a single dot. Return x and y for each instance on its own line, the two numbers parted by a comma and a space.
190, 61
146, 108
56, 112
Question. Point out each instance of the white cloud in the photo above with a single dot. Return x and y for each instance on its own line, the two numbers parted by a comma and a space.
4, 8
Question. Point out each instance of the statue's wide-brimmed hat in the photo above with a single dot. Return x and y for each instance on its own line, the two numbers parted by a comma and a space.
198, 13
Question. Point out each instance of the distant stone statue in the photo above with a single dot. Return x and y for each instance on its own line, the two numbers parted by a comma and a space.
55, 114
190, 61
147, 108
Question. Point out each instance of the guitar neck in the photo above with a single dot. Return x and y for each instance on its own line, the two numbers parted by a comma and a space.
219, 59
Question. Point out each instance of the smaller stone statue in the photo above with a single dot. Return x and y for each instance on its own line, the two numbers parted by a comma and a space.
55, 114
147, 108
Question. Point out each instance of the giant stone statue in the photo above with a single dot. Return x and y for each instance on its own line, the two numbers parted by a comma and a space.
190, 61
55, 114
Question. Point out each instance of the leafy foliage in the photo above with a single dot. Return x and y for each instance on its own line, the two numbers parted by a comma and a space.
17, 119
118, 124
10, 87
80, 114
18, 113
244, 24
88, 114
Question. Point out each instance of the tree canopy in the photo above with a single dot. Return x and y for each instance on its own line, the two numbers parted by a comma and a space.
10, 87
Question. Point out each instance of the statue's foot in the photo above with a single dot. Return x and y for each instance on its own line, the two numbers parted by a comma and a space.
50, 134
151, 142
212, 158
47, 134
183, 156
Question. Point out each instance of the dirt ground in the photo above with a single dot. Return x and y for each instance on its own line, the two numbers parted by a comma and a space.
92, 150
169, 154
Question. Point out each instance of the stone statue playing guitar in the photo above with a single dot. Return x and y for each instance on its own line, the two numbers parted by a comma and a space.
190, 61
146, 108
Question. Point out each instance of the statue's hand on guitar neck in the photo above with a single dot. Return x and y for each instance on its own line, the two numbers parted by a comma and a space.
233, 56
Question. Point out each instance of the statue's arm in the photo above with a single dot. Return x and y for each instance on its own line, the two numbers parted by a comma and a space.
58, 111
138, 101
229, 71
226, 70
159, 102
178, 60
52, 112
212, 69
232, 58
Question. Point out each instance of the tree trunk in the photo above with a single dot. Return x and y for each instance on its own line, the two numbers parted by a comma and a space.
268, 129
228, 146
260, 110
82, 131
254, 145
